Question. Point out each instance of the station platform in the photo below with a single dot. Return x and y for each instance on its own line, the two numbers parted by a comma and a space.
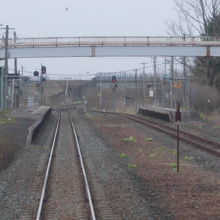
33, 113
167, 114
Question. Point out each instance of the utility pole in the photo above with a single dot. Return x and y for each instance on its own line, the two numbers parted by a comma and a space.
41, 86
136, 90
164, 83
2, 86
165, 65
4, 92
22, 70
100, 91
2, 89
67, 85
172, 81
113, 96
6, 49
155, 80
186, 83
15, 60
143, 88
6, 68
15, 92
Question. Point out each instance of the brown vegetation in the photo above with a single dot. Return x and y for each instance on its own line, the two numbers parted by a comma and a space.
204, 98
7, 152
191, 194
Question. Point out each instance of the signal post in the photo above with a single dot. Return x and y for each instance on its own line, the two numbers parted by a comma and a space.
114, 86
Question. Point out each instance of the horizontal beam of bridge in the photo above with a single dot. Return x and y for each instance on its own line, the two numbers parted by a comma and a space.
110, 47
130, 51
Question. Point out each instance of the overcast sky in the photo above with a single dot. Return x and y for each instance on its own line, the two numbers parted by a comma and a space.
53, 18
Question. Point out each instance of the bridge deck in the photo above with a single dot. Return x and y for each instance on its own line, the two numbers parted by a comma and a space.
111, 46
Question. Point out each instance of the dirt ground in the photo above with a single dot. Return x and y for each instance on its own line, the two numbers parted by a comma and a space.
193, 193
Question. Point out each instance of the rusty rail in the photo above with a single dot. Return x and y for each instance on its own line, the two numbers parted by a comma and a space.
195, 140
202, 143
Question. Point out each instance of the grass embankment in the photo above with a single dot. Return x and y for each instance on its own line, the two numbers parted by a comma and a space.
7, 147
7, 153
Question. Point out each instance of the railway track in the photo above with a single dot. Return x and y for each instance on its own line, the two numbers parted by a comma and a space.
195, 140
200, 142
66, 192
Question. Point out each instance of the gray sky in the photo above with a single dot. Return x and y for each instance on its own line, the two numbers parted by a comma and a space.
54, 18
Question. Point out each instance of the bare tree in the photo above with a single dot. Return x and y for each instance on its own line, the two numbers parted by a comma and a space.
194, 17
199, 18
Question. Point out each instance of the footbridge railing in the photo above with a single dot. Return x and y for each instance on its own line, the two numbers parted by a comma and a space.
96, 41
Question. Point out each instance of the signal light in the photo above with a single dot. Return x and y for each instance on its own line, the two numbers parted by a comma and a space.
43, 69
36, 73
114, 79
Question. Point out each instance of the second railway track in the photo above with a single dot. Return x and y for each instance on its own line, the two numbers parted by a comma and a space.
200, 142
66, 192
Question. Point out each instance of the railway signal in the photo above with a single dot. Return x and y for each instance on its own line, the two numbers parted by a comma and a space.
43, 69
114, 79
178, 113
42, 79
36, 73
114, 91
178, 120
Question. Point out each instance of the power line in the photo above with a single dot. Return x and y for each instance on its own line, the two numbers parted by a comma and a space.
132, 70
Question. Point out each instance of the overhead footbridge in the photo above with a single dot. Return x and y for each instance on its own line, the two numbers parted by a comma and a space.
119, 46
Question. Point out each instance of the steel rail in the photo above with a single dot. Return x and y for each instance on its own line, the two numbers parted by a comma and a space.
199, 138
87, 188
40, 207
189, 138
197, 141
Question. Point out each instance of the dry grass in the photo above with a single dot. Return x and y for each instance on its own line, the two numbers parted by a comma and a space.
7, 146
7, 152
191, 194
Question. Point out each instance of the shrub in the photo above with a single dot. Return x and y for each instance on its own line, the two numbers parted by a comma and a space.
148, 139
123, 156
7, 152
132, 166
130, 139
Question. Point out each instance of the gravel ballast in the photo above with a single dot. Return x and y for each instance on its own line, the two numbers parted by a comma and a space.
120, 186
131, 169
21, 181
191, 194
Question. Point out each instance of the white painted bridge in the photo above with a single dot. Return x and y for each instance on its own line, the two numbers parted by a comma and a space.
122, 46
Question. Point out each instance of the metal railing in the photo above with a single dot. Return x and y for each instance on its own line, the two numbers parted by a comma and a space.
110, 41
